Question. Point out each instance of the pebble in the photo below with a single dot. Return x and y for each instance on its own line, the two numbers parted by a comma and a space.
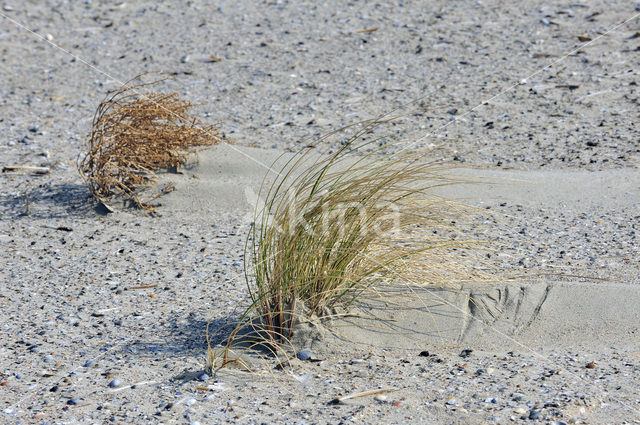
115, 383
451, 402
72, 401
48, 359
520, 410
381, 397
88, 363
190, 401
19, 375
202, 377
491, 400
534, 414
466, 353
304, 355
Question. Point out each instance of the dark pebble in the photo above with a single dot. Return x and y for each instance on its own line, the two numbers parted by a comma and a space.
88, 363
202, 377
466, 353
534, 414
72, 402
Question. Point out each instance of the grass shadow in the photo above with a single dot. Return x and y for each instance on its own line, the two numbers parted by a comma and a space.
49, 201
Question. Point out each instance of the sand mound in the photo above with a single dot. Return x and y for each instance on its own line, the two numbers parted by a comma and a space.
537, 312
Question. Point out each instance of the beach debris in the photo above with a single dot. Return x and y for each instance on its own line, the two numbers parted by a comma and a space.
33, 170
211, 387
342, 399
366, 30
591, 365
151, 285
136, 132
115, 383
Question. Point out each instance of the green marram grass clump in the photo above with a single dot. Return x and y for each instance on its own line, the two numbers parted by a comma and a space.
334, 227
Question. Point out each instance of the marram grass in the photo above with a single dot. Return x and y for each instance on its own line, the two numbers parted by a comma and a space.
332, 227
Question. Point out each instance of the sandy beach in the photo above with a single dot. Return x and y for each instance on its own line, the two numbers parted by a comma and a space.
104, 315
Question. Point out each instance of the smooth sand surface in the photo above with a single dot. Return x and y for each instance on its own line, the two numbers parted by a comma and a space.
553, 309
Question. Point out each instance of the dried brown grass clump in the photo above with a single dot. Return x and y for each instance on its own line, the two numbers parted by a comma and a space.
134, 134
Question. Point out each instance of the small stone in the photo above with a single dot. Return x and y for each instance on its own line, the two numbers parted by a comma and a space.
558, 423
304, 355
115, 383
520, 410
381, 398
72, 401
490, 370
88, 363
202, 377
48, 359
492, 400
451, 402
466, 353
591, 365
190, 401
534, 414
